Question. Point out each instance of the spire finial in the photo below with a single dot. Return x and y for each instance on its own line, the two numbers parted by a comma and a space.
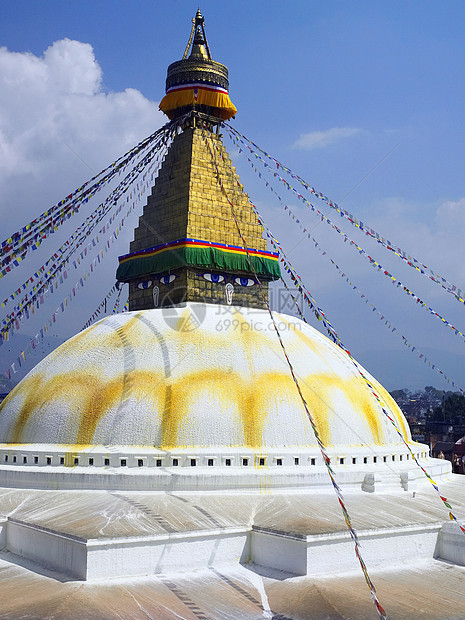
198, 27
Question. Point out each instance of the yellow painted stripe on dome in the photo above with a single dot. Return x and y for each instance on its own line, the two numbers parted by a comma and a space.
361, 397
146, 386
355, 389
394, 409
30, 388
315, 391
92, 399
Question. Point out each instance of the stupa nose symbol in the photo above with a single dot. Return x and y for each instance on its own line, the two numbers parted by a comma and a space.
229, 291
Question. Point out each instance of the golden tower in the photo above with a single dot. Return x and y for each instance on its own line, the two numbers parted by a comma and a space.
189, 244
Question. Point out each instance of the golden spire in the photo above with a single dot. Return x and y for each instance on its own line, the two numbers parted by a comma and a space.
187, 247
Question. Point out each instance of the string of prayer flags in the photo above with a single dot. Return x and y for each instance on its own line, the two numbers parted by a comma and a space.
64, 304
101, 307
53, 318
378, 398
363, 253
16, 247
63, 254
20, 313
411, 261
393, 422
14, 367
117, 301
380, 315
57, 273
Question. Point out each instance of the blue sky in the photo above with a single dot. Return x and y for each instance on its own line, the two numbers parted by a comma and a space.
365, 100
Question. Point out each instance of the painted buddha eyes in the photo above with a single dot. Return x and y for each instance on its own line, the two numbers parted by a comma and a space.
244, 281
162, 279
167, 279
217, 278
145, 284
213, 277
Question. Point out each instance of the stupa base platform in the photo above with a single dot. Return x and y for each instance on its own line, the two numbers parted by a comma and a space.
424, 590
294, 553
225, 555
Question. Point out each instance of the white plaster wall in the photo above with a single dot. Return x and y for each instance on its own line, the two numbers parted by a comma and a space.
333, 553
379, 549
120, 559
66, 555
279, 552
451, 544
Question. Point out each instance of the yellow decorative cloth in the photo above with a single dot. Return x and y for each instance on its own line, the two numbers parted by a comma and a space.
200, 94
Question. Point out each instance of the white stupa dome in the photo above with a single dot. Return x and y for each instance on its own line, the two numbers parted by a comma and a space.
157, 378
200, 385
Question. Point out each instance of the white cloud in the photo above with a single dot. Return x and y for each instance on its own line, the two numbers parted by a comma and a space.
320, 139
58, 126
72, 67
451, 215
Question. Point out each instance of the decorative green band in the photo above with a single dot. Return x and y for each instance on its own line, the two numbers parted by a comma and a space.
230, 260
